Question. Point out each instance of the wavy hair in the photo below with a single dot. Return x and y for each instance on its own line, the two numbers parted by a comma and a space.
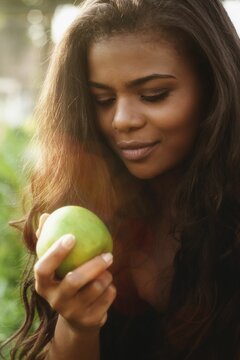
75, 166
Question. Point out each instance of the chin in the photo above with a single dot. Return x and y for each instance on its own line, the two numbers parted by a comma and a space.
146, 174
151, 172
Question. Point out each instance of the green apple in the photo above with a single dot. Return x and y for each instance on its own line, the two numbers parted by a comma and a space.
92, 236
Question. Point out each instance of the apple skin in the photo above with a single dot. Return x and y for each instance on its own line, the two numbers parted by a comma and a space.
92, 236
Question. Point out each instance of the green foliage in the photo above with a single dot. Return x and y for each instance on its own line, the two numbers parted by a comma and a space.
12, 253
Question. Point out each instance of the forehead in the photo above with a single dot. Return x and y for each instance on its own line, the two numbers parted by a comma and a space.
131, 55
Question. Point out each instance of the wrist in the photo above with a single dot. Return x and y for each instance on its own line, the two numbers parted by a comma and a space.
71, 343
76, 331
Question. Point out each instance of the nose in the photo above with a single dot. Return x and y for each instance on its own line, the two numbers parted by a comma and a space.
127, 116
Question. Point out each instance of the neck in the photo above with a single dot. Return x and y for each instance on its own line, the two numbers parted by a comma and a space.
164, 188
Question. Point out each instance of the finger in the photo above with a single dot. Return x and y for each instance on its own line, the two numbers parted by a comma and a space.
103, 320
91, 291
77, 279
42, 220
46, 266
96, 312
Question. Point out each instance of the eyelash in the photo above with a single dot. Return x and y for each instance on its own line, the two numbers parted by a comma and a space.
157, 97
103, 103
153, 98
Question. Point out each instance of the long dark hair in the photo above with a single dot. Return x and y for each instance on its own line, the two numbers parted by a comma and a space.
203, 315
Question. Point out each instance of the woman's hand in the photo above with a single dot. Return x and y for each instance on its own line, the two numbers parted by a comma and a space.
84, 295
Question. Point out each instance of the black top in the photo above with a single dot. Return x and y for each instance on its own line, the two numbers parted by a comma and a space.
125, 337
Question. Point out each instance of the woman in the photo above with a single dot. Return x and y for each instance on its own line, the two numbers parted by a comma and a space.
139, 122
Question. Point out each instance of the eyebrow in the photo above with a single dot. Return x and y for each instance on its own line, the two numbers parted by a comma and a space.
134, 82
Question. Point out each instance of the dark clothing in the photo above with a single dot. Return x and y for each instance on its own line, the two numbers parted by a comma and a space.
141, 338
130, 337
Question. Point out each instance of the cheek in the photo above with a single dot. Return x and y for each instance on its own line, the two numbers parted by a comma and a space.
179, 139
178, 125
180, 117
104, 124
101, 121
180, 143
105, 128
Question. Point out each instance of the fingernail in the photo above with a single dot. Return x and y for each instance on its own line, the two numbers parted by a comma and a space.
107, 257
68, 241
42, 217
36, 266
104, 319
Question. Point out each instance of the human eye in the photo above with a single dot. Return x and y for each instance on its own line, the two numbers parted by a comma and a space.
158, 96
103, 102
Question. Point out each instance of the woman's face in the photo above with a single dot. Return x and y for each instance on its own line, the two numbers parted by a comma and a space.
148, 102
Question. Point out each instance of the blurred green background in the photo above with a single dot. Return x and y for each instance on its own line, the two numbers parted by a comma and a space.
28, 31
12, 147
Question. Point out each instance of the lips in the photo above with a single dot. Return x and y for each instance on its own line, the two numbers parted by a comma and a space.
136, 150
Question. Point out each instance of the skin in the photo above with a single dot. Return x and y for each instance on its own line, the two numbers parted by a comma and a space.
124, 112
81, 299
166, 108
92, 278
